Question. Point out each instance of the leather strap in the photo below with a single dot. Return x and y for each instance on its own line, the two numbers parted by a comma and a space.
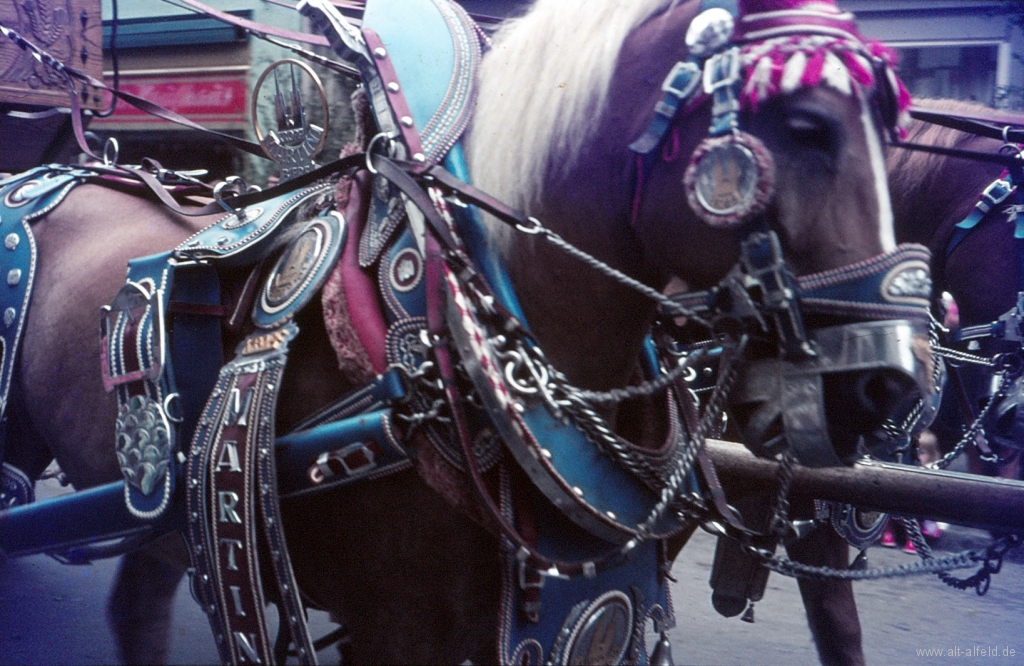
233, 479
396, 98
981, 126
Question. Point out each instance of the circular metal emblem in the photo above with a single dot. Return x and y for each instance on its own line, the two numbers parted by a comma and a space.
300, 271
406, 270
603, 631
860, 528
295, 264
730, 179
295, 139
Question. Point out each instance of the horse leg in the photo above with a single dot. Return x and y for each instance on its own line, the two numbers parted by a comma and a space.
411, 579
139, 608
831, 608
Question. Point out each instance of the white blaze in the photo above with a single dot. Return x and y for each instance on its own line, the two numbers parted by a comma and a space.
886, 226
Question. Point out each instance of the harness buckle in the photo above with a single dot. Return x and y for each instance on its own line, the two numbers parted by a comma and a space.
996, 193
722, 70
682, 81
354, 460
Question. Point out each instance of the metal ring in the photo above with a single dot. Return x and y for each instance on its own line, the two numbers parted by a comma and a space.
535, 228
323, 102
1006, 134
167, 407
387, 136
111, 146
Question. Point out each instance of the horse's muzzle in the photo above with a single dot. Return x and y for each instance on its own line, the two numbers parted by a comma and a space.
862, 375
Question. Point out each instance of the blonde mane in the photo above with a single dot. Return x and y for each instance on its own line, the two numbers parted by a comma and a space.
541, 86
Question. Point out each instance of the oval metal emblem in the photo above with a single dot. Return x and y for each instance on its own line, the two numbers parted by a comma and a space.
859, 527
143, 443
300, 271
406, 270
730, 179
603, 631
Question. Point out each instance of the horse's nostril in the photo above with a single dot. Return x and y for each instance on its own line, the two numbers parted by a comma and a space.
879, 393
859, 402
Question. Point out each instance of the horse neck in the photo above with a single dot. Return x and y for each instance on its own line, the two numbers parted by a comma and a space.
590, 326
932, 193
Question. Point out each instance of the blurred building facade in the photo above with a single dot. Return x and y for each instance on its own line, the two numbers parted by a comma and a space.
207, 70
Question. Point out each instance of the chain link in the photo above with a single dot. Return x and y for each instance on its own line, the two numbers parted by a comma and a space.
975, 429
992, 561
669, 306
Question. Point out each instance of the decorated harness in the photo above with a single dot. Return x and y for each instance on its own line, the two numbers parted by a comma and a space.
456, 381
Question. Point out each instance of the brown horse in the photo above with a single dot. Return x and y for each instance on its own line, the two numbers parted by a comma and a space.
564, 92
931, 193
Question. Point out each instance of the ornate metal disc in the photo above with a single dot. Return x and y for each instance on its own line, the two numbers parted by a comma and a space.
730, 179
295, 141
603, 631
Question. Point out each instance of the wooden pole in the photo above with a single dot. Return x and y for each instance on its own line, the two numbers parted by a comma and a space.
951, 497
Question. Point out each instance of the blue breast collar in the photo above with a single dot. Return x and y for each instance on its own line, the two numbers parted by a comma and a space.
23, 199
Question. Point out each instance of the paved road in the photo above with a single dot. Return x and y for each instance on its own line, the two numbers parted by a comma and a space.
53, 614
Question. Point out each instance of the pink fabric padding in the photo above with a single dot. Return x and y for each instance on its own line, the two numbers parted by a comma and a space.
350, 295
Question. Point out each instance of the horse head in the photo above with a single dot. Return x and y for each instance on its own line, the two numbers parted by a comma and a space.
771, 144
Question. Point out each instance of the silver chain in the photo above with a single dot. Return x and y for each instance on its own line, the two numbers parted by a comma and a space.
687, 454
669, 306
976, 427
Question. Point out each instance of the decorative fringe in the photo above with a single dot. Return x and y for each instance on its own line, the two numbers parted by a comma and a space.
783, 65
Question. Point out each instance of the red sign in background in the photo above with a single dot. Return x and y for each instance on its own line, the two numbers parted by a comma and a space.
198, 98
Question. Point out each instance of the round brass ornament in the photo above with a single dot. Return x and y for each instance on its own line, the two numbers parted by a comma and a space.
730, 179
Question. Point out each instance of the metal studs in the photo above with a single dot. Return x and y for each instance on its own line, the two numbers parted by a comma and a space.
611, 514
181, 458
10, 314
11, 241
223, 240
13, 277
419, 157
406, 120
578, 491
546, 453
394, 87
380, 52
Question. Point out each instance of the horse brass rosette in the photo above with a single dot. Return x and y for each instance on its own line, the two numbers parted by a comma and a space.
730, 179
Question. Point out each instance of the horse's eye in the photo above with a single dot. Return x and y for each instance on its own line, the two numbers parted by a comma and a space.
805, 127
811, 131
